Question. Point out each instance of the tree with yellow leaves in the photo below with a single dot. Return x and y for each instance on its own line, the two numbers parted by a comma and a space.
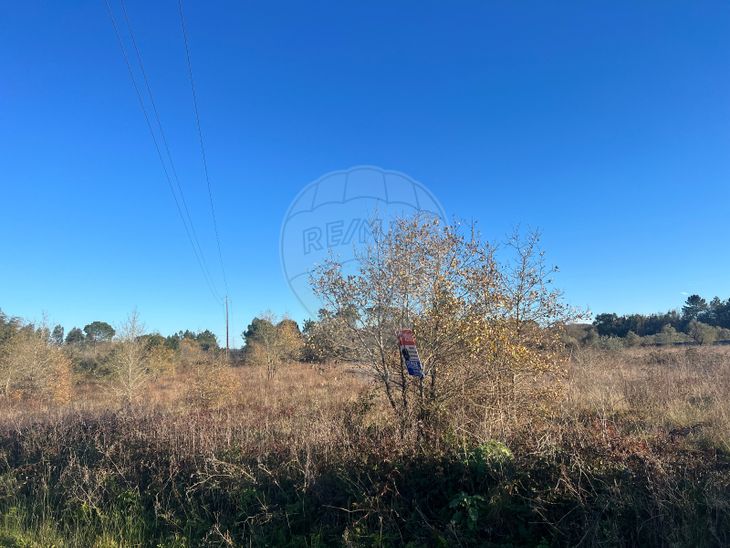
270, 342
486, 319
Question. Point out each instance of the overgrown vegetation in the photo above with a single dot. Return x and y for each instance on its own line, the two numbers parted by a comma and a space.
319, 437
635, 454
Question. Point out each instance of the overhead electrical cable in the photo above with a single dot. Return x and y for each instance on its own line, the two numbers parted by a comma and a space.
189, 231
200, 139
164, 142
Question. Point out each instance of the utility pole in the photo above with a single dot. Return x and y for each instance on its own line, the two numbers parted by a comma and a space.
227, 348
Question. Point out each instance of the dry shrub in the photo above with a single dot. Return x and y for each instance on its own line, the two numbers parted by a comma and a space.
207, 379
162, 361
62, 391
212, 383
190, 355
31, 368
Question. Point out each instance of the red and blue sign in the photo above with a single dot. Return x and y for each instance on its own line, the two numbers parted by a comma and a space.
409, 353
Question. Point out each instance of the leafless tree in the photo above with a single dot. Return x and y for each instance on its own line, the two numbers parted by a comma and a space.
129, 361
30, 366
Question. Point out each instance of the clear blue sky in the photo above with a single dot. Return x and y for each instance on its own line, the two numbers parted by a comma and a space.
605, 124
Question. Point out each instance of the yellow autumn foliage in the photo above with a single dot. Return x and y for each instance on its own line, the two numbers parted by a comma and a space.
486, 317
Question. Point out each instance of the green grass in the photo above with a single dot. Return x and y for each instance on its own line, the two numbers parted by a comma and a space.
20, 530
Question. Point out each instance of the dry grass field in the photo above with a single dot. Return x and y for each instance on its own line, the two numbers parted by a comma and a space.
635, 452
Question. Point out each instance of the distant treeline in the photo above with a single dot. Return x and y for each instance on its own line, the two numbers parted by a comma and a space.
102, 332
698, 321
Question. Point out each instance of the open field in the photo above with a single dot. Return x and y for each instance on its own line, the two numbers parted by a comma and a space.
364, 274
635, 452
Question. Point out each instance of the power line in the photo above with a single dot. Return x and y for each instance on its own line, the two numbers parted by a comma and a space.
200, 138
199, 258
164, 141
